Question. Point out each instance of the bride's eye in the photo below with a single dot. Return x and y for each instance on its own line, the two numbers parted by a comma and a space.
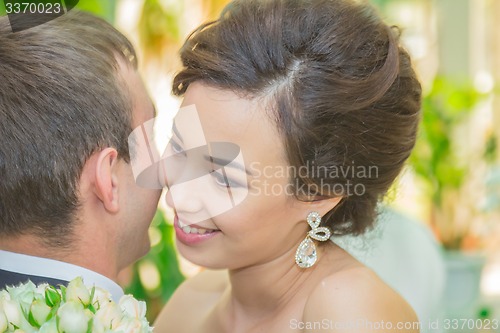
176, 148
222, 180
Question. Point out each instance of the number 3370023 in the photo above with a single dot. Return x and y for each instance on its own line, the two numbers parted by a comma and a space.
33, 8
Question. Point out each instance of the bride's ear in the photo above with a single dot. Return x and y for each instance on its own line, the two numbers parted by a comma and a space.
323, 205
106, 179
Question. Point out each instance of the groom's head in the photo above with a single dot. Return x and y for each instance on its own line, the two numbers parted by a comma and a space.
69, 97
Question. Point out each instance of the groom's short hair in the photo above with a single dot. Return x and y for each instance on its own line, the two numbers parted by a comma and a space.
61, 100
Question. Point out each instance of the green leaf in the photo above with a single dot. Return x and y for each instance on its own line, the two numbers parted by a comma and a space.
63, 292
435, 158
32, 320
91, 306
52, 297
90, 324
52, 313
25, 312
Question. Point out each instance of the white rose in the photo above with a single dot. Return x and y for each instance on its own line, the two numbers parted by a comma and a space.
97, 326
133, 325
101, 296
77, 291
24, 294
3, 320
23, 291
49, 327
109, 314
4, 294
40, 289
73, 317
12, 312
132, 307
40, 311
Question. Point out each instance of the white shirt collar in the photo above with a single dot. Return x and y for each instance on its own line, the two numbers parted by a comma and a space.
30, 265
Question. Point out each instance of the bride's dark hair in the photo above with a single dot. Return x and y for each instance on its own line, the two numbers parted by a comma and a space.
341, 89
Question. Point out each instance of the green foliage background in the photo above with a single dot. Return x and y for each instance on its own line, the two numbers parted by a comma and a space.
164, 257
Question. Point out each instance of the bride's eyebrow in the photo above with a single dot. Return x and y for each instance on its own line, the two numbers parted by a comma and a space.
176, 132
226, 163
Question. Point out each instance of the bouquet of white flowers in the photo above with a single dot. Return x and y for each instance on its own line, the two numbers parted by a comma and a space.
72, 309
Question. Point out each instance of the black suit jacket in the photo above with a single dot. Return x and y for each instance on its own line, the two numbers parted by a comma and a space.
8, 278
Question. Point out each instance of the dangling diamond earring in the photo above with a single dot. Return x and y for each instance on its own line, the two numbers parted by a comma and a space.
306, 255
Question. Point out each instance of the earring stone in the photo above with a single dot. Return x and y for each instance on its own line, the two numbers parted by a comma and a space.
306, 254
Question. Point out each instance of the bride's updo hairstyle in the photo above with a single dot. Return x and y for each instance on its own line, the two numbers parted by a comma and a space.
339, 87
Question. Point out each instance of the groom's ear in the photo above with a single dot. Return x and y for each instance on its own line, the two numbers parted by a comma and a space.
106, 179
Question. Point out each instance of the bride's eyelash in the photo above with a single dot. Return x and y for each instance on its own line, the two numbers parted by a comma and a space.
224, 181
176, 148
220, 179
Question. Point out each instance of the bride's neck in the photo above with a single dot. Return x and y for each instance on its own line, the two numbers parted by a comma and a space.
263, 289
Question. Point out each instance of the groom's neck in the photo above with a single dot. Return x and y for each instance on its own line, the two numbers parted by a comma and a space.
32, 245
86, 254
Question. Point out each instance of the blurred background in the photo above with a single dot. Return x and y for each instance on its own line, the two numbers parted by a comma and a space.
452, 183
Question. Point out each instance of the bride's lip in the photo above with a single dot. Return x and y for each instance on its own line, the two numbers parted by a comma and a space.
194, 225
192, 238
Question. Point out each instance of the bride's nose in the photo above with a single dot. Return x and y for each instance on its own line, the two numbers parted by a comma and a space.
184, 198
185, 176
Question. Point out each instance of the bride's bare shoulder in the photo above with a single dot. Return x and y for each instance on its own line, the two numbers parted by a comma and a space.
357, 300
203, 290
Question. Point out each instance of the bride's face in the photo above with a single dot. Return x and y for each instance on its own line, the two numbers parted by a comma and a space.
239, 212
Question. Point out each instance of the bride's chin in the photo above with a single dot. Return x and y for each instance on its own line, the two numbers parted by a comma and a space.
201, 257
